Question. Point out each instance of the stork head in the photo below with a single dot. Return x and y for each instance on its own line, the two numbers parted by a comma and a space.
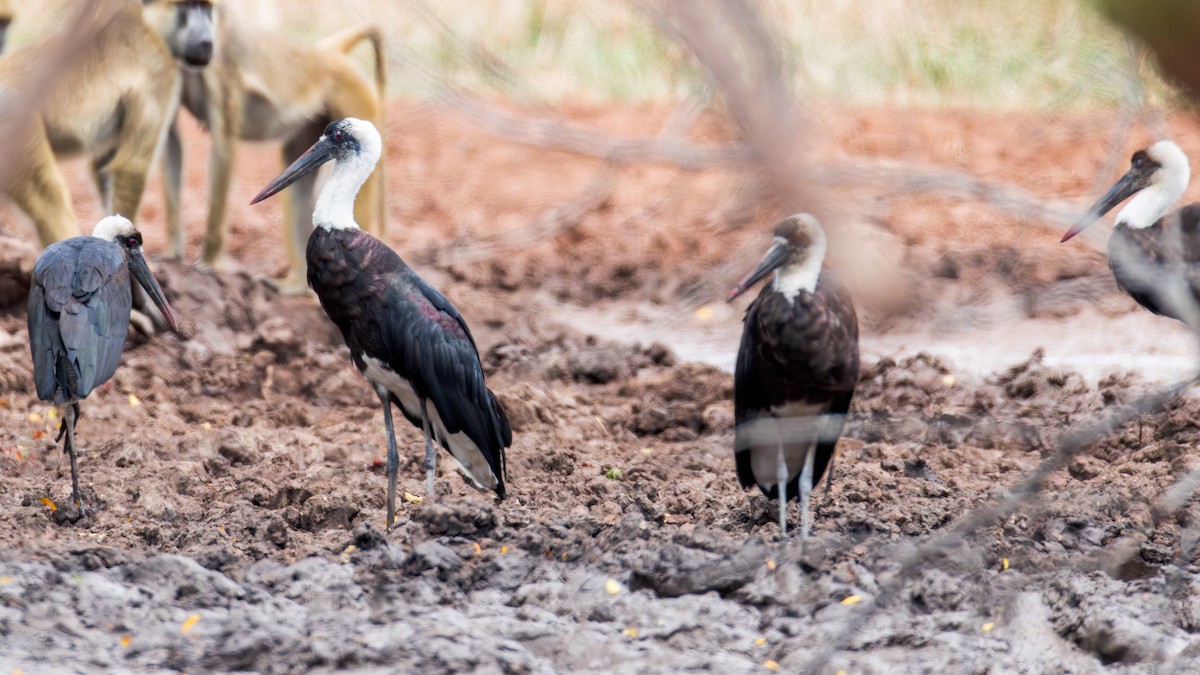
795, 257
351, 144
1158, 175
120, 231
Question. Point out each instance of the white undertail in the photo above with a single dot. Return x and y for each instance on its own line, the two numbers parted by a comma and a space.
335, 204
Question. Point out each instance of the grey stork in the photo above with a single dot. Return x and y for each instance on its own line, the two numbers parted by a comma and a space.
406, 338
79, 305
1150, 251
796, 369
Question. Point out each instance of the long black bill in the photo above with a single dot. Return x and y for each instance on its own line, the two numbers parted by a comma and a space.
314, 157
1130, 183
141, 272
776, 256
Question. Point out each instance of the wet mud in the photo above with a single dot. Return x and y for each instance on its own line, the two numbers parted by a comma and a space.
236, 470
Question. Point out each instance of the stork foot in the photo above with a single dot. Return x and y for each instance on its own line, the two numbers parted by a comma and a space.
70, 513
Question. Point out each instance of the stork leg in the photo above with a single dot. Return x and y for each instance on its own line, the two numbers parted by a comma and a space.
806, 489
781, 481
430, 452
76, 495
393, 456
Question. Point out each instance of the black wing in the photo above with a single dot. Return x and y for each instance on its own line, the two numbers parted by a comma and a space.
787, 357
438, 354
78, 316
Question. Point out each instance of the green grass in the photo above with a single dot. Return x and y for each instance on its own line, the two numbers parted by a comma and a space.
1042, 54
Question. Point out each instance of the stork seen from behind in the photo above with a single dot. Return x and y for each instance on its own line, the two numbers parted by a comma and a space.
79, 305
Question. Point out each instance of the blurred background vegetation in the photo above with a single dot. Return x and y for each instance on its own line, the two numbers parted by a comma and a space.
996, 54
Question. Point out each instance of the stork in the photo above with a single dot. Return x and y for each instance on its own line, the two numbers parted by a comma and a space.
796, 369
406, 338
79, 305
1150, 251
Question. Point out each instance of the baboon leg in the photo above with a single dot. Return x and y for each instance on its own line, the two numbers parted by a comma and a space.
172, 186
103, 180
224, 125
143, 130
40, 191
297, 211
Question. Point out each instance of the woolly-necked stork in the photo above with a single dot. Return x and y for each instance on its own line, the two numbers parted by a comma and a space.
1153, 253
796, 369
79, 306
406, 338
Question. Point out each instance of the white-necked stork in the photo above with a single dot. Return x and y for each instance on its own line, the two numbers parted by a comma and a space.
406, 338
796, 369
1153, 253
79, 305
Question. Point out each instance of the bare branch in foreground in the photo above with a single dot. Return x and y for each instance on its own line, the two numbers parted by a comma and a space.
1071, 443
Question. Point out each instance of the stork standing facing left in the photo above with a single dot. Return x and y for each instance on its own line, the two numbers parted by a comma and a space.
1153, 255
79, 305
406, 338
796, 369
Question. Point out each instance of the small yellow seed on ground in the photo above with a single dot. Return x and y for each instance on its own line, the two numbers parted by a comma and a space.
126, 640
189, 624
705, 313
612, 587
770, 564
52, 414
35, 417
412, 499
134, 401
6, 580
1005, 563
948, 380
503, 550
647, 451
476, 547
630, 632
50, 504
760, 642
771, 665
851, 599
987, 627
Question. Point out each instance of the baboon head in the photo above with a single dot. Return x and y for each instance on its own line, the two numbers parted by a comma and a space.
187, 26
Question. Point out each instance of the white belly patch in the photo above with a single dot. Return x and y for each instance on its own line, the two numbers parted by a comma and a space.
468, 455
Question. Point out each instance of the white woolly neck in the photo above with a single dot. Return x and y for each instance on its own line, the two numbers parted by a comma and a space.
111, 227
335, 203
1150, 205
801, 274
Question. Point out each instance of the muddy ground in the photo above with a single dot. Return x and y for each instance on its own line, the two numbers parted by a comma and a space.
237, 478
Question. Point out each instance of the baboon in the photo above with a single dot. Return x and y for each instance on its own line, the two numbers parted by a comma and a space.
262, 86
6, 19
112, 105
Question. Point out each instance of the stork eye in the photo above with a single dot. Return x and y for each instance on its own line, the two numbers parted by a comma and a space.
1139, 161
132, 242
337, 135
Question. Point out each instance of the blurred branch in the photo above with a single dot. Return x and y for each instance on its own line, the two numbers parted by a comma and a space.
1071, 443
553, 133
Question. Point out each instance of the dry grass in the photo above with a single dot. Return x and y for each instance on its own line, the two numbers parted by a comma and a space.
987, 53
